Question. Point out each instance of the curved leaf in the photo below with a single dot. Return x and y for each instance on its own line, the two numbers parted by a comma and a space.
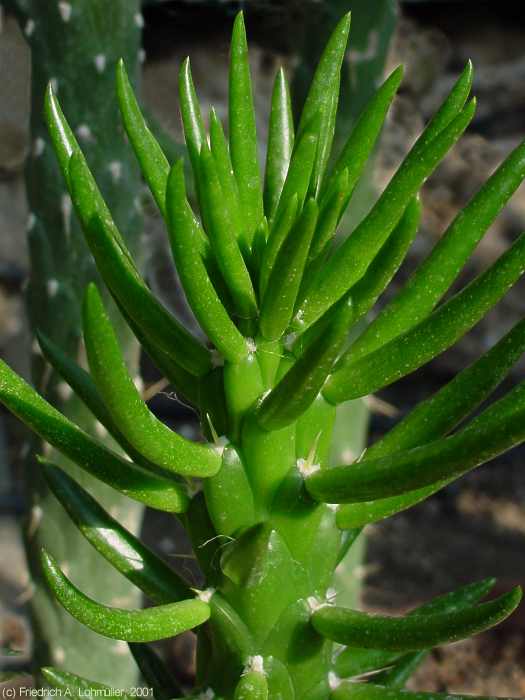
278, 234
280, 143
355, 661
435, 275
123, 550
147, 625
146, 433
496, 430
299, 387
201, 295
287, 274
430, 337
411, 632
351, 260
153, 163
85, 451
243, 133
121, 276
323, 96
252, 684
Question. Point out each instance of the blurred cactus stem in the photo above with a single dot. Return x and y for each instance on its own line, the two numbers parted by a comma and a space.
76, 46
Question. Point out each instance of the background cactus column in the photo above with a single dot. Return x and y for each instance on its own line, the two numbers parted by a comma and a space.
76, 45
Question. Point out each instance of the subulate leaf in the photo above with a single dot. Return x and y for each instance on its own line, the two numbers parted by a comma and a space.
199, 290
280, 143
496, 430
434, 276
153, 163
123, 550
353, 257
243, 134
431, 336
120, 274
355, 661
411, 632
146, 433
84, 450
148, 625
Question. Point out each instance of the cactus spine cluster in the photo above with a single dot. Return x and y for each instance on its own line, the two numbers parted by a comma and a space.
269, 519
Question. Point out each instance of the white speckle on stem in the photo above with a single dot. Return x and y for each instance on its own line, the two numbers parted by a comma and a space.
142, 56
100, 62
217, 360
121, 648
84, 133
65, 10
52, 287
100, 429
35, 519
30, 27
38, 146
35, 348
59, 655
115, 168
31, 221
139, 20
64, 391
250, 344
66, 207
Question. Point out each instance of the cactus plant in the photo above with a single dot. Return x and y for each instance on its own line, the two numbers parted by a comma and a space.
269, 520
61, 266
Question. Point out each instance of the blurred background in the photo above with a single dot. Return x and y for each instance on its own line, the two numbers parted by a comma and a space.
471, 530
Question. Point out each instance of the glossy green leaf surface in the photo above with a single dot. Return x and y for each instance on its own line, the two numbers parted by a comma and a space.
230, 190
199, 290
280, 143
496, 430
323, 96
411, 632
122, 278
278, 234
153, 162
122, 549
351, 260
193, 125
299, 387
287, 274
243, 134
354, 661
364, 135
63, 139
146, 433
224, 241
84, 387
146, 625
386, 263
435, 275
431, 336
85, 451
